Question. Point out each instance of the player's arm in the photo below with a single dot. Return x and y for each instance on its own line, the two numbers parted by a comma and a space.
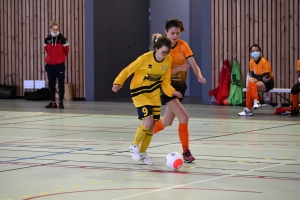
180, 68
125, 73
166, 84
45, 46
298, 70
66, 46
196, 69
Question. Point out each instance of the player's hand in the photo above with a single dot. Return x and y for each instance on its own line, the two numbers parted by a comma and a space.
177, 94
202, 80
116, 87
184, 67
266, 78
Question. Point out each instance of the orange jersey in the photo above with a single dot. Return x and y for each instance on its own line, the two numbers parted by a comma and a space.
298, 66
262, 67
179, 53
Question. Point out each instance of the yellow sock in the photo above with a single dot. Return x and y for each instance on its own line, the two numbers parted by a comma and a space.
140, 134
146, 141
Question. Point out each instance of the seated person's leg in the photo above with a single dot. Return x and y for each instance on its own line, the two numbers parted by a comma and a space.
295, 99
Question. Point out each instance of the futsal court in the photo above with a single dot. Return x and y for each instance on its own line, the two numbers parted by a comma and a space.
82, 152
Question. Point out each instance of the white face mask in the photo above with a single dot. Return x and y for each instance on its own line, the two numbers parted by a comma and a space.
255, 54
53, 34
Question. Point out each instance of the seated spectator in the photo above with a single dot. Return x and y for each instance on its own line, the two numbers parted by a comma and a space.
261, 80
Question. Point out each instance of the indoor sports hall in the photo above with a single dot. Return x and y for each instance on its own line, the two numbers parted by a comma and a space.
69, 119
83, 153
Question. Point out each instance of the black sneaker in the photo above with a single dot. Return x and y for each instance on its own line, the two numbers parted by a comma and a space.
187, 156
51, 105
61, 106
294, 112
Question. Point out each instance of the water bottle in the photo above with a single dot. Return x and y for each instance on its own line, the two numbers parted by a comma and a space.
267, 99
247, 79
212, 100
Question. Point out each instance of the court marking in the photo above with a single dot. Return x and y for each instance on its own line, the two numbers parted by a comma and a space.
53, 154
206, 180
120, 189
238, 133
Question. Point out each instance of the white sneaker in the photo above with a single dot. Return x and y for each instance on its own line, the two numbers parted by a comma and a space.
146, 159
246, 112
256, 104
135, 152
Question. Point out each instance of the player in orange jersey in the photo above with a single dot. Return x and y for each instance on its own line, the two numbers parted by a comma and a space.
180, 53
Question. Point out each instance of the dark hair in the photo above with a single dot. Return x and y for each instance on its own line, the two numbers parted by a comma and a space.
173, 22
54, 23
255, 45
159, 41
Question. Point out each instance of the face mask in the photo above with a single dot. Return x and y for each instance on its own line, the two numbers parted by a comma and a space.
53, 34
255, 54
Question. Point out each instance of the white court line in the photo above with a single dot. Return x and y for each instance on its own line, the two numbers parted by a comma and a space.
206, 180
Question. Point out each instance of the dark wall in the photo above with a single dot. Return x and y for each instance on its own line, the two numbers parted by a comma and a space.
120, 34
89, 50
117, 32
200, 40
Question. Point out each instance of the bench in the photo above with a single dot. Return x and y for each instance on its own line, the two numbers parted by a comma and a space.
278, 91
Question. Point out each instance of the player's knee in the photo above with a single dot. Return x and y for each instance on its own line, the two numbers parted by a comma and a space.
148, 122
168, 123
184, 118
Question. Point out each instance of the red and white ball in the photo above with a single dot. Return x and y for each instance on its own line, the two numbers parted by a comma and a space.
174, 160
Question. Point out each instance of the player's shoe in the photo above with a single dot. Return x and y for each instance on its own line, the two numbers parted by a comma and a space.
145, 158
187, 156
294, 112
51, 105
246, 112
135, 152
61, 106
256, 104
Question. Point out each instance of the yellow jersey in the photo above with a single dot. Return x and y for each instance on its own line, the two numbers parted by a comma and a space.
298, 66
150, 76
179, 53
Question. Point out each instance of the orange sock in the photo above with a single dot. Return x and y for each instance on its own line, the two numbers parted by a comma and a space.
253, 90
295, 101
158, 126
249, 100
183, 136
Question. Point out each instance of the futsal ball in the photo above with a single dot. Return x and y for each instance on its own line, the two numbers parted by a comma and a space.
174, 160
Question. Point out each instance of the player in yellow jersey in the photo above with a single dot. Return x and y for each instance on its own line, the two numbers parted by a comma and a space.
180, 52
152, 72
261, 80
295, 94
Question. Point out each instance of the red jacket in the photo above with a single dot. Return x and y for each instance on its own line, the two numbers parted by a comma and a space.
57, 49
221, 93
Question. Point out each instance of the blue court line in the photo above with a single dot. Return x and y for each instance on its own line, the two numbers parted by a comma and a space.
54, 154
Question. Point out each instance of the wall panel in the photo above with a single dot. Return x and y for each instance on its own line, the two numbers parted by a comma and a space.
273, 24
25, 24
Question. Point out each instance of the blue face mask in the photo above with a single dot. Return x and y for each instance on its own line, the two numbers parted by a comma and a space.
255, 54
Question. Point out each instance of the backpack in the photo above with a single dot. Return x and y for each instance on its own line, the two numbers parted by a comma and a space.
39, 95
